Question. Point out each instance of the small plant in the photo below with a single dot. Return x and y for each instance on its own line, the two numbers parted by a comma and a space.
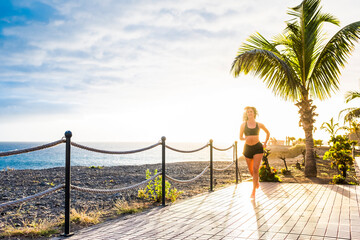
267, 173
153, 190
84, 217
339, 179
340, 154
123, 207
96, 167
285, 171
174, 194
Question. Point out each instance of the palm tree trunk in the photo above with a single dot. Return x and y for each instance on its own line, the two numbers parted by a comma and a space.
307, 114
310, 161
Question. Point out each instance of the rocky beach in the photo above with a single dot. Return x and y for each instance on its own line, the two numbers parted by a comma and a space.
16, 184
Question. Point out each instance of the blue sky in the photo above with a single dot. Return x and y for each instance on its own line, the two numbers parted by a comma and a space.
137, 70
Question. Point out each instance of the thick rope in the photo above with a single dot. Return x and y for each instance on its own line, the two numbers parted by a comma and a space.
186, 151
32, 197
15, 152
113, 152
223, 149
223, 169
189, 180
111, 191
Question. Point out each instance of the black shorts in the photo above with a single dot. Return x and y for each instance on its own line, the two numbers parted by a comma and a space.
251, 150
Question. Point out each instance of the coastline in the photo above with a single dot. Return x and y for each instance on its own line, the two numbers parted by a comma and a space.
16, 184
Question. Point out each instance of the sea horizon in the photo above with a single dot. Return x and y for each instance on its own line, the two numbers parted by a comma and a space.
55, 156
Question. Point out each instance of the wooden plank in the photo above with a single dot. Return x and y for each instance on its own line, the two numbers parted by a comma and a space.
280, 211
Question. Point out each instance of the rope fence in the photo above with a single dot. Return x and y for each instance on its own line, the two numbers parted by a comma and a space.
223, 149
189, 180
32, 197
187, 151
67, 186
225, 168
116, 190
33, 149
113, 152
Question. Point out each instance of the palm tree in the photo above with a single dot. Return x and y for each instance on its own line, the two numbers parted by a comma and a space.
291, 140
351, 112
299, 65
353, 129
330, 127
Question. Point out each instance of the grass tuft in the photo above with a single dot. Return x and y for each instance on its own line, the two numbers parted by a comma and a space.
123, 207
85, 217
36, 228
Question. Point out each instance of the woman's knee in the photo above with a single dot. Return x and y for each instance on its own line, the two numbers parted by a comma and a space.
256, 169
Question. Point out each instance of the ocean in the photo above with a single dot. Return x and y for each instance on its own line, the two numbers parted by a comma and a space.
55, 156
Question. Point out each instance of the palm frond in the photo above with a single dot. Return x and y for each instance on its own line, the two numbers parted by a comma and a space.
351, 95
260, 56
305, 33
257, 41
276, 74
324, 78
326, 17
351, 114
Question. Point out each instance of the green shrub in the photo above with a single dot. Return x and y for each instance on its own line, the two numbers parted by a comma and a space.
153, 190
268, 175
96, 167
339, 179
340, 154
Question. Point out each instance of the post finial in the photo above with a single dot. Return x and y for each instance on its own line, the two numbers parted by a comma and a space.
68, 134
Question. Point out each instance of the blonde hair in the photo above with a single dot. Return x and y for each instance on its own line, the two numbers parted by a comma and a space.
245, 117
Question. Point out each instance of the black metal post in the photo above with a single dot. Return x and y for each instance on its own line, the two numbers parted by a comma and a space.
239, 170
68, 136
163, 170
236, 163
211, 165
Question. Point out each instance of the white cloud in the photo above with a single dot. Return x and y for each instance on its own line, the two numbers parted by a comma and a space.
129, 65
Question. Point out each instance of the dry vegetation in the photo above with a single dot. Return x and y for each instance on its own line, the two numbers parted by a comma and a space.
294, 155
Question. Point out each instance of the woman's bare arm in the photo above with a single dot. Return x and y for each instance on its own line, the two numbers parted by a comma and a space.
262, 126
242, 127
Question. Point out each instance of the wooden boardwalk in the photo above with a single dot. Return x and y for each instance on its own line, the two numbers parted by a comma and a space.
280, 211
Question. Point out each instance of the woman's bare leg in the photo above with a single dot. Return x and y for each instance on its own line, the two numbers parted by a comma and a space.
256, 165
250, 164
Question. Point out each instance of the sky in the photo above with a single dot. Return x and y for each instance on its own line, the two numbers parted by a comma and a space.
138, 70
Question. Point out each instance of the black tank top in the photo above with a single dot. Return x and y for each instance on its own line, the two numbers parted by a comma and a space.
251, 131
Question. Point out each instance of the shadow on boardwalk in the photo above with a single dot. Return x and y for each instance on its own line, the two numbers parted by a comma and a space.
280, 211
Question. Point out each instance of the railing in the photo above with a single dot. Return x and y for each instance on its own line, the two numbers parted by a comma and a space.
67, 186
